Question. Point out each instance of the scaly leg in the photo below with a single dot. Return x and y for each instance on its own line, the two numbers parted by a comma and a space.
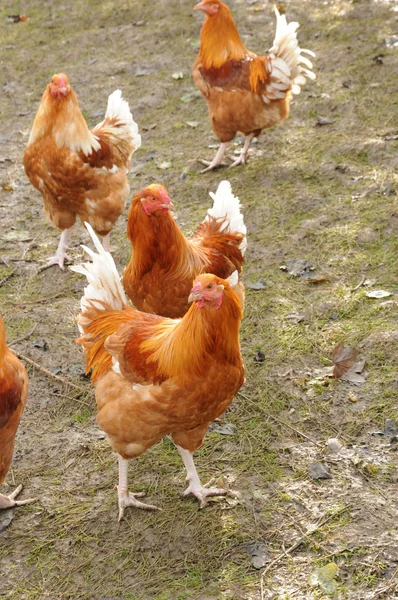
125, 497
217, 160
202, 492
60, 255
241, 160
9, 502
106, 242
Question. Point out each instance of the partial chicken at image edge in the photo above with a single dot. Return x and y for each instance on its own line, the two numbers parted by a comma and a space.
80, 172
157, 376
245, 92
163, 264
13, 396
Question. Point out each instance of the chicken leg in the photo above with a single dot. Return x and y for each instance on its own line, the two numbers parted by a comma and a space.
217, 160
60, 255
125, 497
242, 158
201, 492
106, 242
9, 501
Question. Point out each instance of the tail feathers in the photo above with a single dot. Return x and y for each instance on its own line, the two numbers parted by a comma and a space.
288, 67
227, 205
119, 122
105, 288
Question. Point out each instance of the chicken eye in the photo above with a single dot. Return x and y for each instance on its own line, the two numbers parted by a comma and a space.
210, 286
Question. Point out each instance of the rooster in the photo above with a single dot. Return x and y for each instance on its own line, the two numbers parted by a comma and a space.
13, 395
157, 376
80, 172
246, 92
164, 263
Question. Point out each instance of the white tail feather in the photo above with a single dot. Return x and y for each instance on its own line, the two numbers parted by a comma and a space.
102, 276
122, 122
287, 57
228, 205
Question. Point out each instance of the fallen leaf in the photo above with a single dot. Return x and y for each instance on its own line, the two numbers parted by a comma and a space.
324, 577
353, 375
259, 553
6, 516
296, 267
178, 75
259, 356
296, 317
149, 127
378, 294
223, 428
343, 359
164, 165
319, 470
16, 18
193, 124
323, 121
258, 285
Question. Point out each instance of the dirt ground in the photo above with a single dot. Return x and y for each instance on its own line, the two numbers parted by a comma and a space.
324, 193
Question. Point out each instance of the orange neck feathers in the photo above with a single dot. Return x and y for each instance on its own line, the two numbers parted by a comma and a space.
157, 239
183, 348
220, 39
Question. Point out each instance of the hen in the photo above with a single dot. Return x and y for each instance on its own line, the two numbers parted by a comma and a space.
164, 263
80, 172
157, 376
13, 395
246, 92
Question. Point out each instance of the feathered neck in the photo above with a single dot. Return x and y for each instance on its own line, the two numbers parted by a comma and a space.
157, 239
183, 349
220, 39
62, 119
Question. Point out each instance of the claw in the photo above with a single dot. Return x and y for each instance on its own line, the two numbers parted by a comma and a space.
130, 499
9, 501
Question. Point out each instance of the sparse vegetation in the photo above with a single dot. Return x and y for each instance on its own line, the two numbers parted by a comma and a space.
327, 194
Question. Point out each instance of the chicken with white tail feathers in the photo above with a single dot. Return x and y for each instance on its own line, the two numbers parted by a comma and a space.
80, 172
245, 92
164, 262
157, 376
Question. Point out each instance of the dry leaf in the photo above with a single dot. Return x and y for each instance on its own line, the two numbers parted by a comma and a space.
343, 359
378, 294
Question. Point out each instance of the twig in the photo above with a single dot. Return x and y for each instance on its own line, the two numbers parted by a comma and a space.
24, 337
7, 277
359, 284
296, 545
49, 374
39, 300
296, 431
287, 425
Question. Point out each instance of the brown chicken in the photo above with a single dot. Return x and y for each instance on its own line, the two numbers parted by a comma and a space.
246, 92
164, 262
80, 172
13, 395
157, 376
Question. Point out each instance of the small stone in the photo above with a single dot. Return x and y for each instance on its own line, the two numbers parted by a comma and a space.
334, 445
259, 356
319, 470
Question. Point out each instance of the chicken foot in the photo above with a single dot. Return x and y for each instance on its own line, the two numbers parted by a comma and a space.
201, 492
9, 501
126, 498
217, 160
242, 158
60, 255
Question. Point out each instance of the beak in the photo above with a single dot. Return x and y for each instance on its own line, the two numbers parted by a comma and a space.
199, 6
194, 296
168, 205
63, 91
